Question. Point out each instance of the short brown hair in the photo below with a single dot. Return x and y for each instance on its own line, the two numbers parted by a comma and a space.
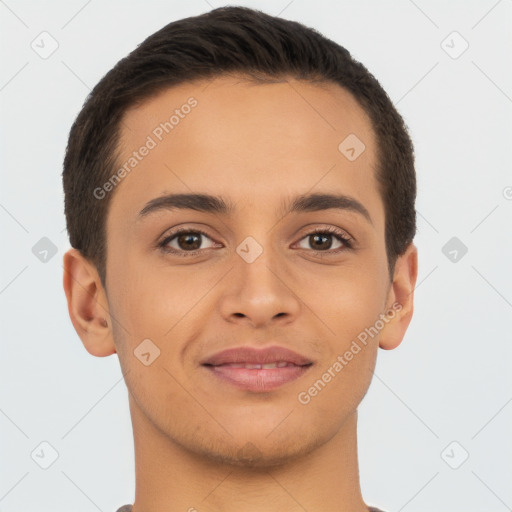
227, 40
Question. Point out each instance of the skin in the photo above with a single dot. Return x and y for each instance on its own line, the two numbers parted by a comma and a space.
257, 146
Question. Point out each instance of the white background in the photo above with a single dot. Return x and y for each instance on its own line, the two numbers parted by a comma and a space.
448, 381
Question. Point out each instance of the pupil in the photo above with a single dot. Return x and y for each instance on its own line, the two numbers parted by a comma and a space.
320, 236
186, 239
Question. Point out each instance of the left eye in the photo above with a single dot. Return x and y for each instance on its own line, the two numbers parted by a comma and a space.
322, 240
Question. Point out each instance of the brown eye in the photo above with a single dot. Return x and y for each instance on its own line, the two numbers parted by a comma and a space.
189, 241
185, 241
321, 240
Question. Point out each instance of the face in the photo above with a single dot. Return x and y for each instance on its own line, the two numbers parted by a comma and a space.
252, 267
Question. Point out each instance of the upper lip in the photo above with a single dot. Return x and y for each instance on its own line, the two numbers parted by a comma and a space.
252, 355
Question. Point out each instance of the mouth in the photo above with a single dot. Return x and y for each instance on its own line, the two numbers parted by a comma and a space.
257, 370
258, 377
256, 366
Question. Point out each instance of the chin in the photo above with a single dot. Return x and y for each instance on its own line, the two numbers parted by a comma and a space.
259, 451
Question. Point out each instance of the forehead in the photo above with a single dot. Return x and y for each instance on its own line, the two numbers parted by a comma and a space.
257, 142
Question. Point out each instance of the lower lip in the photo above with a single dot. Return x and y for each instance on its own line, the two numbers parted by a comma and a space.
258, 380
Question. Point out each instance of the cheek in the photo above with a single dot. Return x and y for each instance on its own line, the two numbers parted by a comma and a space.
161, 304
355, 319
349, 301
142, 297
341, 379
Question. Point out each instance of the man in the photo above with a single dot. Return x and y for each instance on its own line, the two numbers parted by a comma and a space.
239, 196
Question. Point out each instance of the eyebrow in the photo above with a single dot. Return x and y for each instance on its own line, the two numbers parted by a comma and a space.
215, 204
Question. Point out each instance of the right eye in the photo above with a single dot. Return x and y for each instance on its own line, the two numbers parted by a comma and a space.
187, 242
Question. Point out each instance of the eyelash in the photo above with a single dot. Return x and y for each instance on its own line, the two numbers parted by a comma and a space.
340, 235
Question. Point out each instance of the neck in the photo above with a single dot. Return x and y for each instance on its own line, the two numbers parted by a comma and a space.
170, 478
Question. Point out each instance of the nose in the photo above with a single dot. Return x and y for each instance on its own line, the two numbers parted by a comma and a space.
260, 293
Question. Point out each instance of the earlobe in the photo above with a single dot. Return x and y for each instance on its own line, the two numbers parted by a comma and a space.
87, 304
400, 304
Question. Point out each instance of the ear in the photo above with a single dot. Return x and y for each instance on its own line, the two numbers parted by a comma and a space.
87, 304
400, 301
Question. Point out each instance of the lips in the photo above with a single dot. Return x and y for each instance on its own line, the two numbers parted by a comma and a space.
257, 366
253, 356
257, 370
